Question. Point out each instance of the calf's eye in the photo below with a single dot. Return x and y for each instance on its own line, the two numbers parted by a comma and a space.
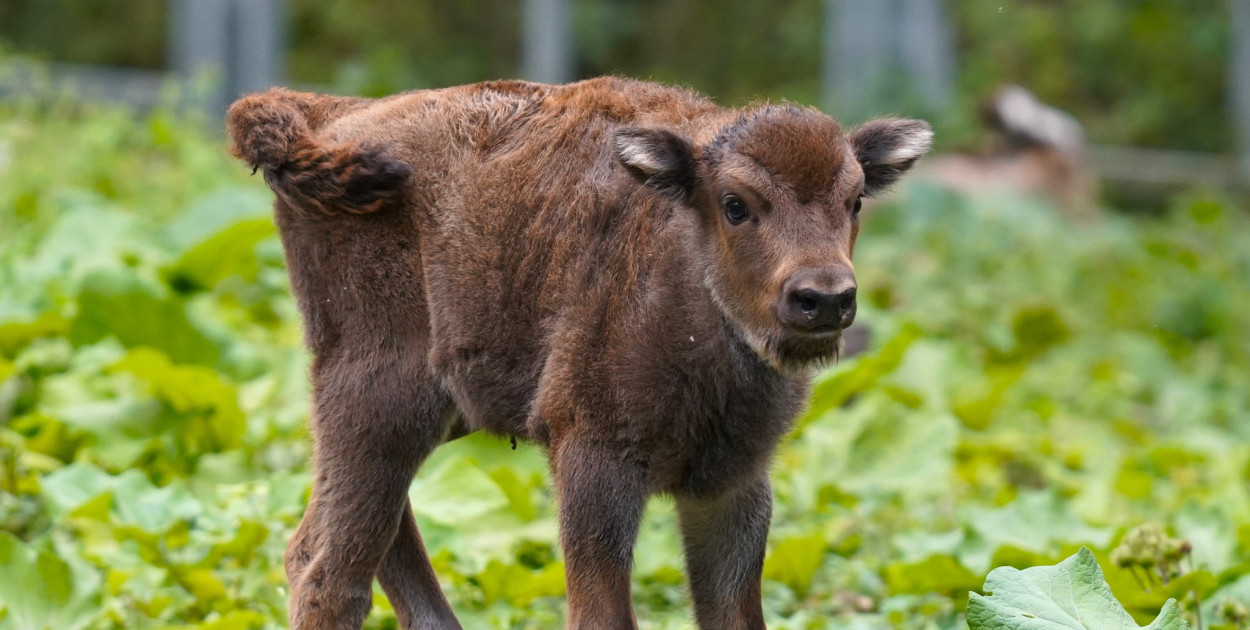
735, 210
859, 202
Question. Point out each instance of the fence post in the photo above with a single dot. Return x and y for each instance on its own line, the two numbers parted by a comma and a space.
883, 55
927, 50
1239, 82
546, 41
199, 44
256, 64
236, 43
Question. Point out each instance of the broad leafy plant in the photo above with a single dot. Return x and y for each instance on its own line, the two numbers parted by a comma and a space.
1031, 387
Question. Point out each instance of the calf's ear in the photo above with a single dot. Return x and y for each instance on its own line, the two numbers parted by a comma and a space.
659, 158
887, 148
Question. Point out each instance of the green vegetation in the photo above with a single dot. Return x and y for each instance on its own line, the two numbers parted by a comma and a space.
1034, 386
1071, 594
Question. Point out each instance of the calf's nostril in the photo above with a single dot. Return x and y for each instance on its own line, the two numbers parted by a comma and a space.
846, 300
807, 303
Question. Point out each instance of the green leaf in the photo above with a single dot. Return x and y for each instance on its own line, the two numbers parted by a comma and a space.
249, 536
456, 492
1070, 595
935, 574
14, 335
1037, 329
136, 504
1036, 521
231, 252
119, 305
520, 586
233, 620
903, 452
73, 486
794, 561
202, 584
39, 591
192, 392
517, 492
216, 211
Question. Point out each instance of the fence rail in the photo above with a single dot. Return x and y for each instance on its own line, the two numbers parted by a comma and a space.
1165, 167
141, 88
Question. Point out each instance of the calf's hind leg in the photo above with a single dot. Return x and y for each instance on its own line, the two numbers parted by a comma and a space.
410, 581
374, 421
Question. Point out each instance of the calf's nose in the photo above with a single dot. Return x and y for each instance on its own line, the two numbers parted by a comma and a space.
818, 302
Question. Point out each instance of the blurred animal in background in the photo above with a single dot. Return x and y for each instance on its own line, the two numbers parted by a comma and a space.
1038, 150
625, 273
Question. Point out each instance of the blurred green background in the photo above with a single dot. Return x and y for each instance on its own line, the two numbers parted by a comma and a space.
1049, 365
1148, 73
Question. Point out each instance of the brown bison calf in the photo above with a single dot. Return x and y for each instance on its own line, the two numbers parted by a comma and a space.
625, 273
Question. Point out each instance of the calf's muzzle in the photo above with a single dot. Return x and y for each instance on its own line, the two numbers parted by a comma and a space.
818, 301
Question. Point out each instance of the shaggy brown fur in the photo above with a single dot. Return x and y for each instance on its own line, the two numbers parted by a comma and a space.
623, 272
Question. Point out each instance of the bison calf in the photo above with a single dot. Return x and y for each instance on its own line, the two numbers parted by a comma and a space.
625, 273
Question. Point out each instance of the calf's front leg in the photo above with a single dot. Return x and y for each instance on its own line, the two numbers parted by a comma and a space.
602, 496
724, 539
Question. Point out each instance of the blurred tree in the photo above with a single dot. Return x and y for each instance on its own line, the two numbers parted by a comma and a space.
1137, 72
734, 50
377, 47
113, 32
1140, 72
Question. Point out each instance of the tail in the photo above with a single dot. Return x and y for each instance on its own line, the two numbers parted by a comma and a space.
271, 133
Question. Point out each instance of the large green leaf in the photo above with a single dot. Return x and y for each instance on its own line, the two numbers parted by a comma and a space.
216, 211
456, 492
794, 561
1036, 521
15, 334
116, 304
133, 501
39, 591
519, 585
230, 252
1071, 595
208, 407
935, 574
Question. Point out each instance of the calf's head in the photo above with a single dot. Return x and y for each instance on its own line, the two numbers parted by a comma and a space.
777, 195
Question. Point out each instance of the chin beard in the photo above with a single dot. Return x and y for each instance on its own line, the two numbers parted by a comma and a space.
794, 354
805, 353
